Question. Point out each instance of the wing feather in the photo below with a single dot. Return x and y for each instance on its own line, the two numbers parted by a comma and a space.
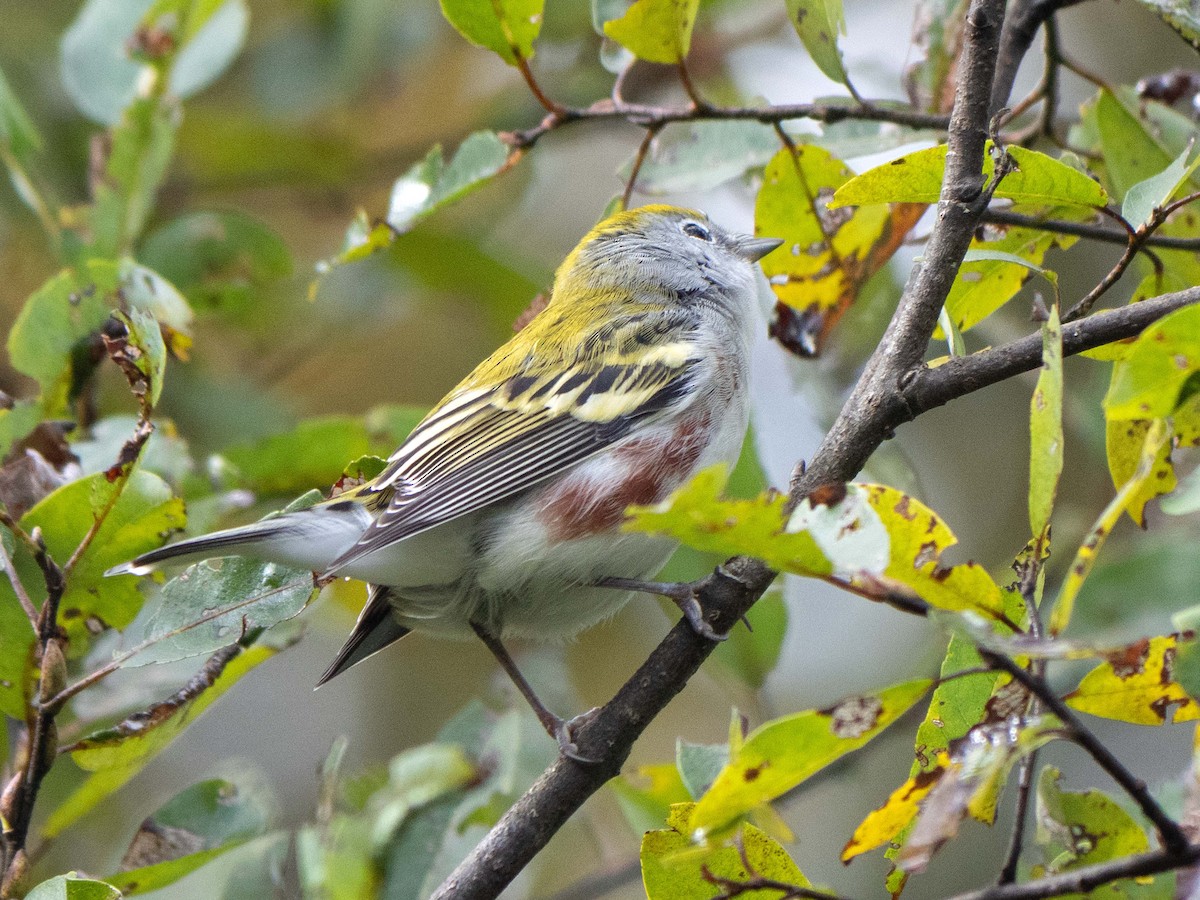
481, 446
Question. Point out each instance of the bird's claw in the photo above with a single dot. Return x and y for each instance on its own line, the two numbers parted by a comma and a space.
564, 733
694, 613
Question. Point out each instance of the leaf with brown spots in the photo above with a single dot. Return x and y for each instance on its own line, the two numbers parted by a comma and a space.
1137, 685
1150, 381
197, 825
828, 255
883, 824
780, 754
1083, 829
818, 23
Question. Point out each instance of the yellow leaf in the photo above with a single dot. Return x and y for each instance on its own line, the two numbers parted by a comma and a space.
1137, 685
884, 823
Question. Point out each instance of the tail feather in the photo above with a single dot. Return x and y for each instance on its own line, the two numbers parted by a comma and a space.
308, 538
376, 628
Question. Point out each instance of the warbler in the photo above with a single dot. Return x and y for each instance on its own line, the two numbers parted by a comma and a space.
500, 514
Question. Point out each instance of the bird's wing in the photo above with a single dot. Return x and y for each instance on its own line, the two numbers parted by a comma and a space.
546, 412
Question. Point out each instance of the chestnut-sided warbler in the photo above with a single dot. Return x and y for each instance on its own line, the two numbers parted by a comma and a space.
500, 514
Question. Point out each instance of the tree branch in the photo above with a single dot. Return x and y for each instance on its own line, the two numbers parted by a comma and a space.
931, 388
657, 116
1024, 19
1086, 878
1086, 230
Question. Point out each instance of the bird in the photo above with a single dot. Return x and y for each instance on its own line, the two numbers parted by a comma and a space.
500, 514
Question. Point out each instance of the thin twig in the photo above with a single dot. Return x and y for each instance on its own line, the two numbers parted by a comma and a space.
1029, 575
552, 107
638, 159
1136, 241
42, 742
1172, 835
1086, 230
646, 115
689, 87
1050, 77
18, 588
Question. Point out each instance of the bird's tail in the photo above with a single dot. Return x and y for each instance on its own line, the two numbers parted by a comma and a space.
307, 538
376, 628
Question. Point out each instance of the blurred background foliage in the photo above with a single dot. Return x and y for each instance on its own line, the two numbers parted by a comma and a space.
327, 103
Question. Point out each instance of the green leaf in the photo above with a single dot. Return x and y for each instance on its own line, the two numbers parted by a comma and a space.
210, 45
17, 131
1149, 382
194, 827
416, 778
138, 513
1046, 428
117, 754
145, 347
1143, 199
656, 30
435, 838
72, 887
1039, 180
871, 537
879, 538
1083, 829
432, 183
312, 455
957, 705
698, 517
1180, 15
1137, 140
673, 868
16, 422
506, 27
101, 76
16, 645
1000, 261
1124, 443
645, 808
779, 755
219, 260
212, 603
699, 765
819, 22
142, 144
827, 256
703, 156
145, 290
425, 188
56, 319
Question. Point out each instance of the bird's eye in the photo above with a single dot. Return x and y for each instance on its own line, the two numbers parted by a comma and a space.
696, 230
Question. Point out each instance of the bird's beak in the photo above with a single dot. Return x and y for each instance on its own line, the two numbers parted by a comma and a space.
753, 249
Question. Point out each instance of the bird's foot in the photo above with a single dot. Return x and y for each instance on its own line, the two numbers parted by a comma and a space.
681, 593
564, 733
